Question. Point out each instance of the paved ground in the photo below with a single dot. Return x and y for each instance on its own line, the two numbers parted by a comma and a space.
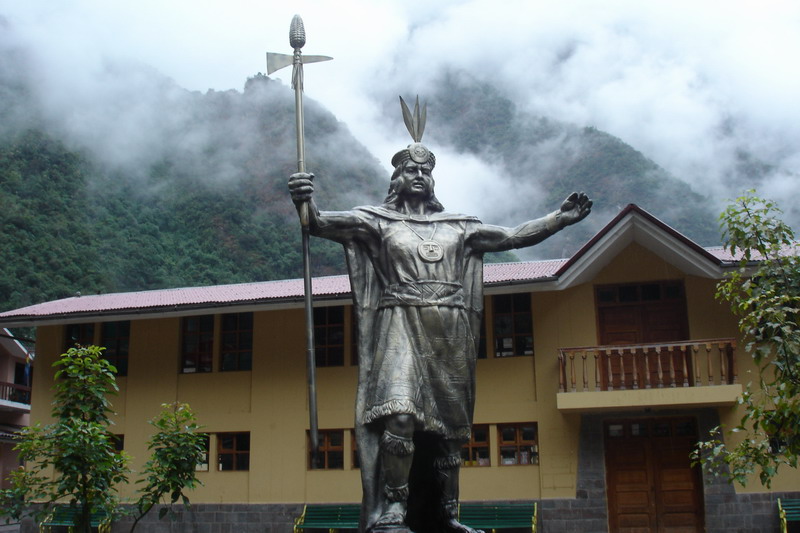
10, 528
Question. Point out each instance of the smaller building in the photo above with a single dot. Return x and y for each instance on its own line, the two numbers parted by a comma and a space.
15, 399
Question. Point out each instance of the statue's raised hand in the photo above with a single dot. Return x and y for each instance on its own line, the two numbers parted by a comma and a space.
574, 209
301, 187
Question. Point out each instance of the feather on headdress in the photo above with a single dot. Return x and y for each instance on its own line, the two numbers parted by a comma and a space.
415, 123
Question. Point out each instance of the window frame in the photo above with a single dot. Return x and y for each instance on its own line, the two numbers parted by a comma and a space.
521, 306
470, 449
355, 461
203, 356
238, 456
243, 355
622, 294
204, 466
518, 444
114, 352
354, 353
324, 329
84, 337
117, 441
326, 449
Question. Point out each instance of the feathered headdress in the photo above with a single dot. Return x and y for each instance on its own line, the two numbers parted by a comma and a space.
415, 123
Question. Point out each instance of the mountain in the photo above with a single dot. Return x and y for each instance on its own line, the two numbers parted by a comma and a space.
213, 210
163, 187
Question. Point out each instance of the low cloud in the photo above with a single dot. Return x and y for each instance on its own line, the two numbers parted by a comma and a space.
691, 85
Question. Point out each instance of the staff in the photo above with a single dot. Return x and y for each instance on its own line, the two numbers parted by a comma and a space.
297, 38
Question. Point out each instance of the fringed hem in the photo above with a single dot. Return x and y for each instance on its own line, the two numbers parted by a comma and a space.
399, 446
425, 423
447, 462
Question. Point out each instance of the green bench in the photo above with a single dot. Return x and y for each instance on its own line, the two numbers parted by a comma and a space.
67, 515
477, 516
330, 517
498, 516
789, 511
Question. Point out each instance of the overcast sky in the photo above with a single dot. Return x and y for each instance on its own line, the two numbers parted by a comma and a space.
684, 82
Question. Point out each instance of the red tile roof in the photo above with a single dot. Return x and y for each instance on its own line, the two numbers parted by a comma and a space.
172, 299
522, 271
244, 293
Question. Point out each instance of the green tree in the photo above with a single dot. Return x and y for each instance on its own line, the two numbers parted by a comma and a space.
177, 448
77, 448
764, 293
74, 461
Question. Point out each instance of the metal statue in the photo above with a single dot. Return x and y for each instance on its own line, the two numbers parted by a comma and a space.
416, 274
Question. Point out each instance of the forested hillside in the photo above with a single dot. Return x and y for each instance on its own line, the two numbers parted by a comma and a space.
216, 211
208, 203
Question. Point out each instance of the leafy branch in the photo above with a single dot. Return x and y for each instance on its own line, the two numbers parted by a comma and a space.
764, 293
177, 448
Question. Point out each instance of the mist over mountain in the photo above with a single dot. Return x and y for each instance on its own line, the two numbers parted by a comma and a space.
534, 162
129, 182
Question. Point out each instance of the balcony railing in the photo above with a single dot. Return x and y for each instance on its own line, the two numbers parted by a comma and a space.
11, 392
648, 366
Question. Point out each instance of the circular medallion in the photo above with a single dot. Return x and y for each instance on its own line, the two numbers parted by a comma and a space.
430, 251
418, 152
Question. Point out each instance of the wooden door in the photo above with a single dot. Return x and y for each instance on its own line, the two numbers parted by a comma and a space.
650, 482
644, 313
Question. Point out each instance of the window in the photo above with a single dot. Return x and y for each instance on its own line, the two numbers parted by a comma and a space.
22, 374
356, 462
118, 441
354, 341
81, 334
654, 291
482, 341
202, 466
513, 325
329, 335
197, 344
21, 392
237, 342
476, 451
115, 336
518, 444
331, 451
233, 451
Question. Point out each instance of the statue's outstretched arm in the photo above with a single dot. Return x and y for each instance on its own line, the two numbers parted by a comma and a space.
488, 238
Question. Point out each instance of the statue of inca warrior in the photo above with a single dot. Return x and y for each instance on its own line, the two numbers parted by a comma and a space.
416, 276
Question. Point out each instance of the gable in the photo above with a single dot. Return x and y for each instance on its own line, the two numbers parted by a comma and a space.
636, 263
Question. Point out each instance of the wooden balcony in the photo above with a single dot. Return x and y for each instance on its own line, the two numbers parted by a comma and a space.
14, 397
690, 373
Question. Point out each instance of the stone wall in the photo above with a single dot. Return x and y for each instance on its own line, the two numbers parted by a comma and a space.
210, 518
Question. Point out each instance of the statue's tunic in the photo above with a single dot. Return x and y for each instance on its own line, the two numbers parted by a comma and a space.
424, 355
418, 325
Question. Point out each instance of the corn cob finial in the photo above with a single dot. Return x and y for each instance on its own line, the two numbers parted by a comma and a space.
297, 33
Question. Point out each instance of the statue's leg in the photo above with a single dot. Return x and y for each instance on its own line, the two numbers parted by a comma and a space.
397, 454
448, 467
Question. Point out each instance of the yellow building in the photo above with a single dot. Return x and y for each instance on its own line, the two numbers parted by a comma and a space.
598, 373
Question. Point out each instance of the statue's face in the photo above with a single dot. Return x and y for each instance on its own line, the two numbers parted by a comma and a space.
415, 180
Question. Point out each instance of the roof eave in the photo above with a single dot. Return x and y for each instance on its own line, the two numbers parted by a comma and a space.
171, 311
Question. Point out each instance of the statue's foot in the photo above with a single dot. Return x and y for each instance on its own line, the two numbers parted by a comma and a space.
391, 522
454, 526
